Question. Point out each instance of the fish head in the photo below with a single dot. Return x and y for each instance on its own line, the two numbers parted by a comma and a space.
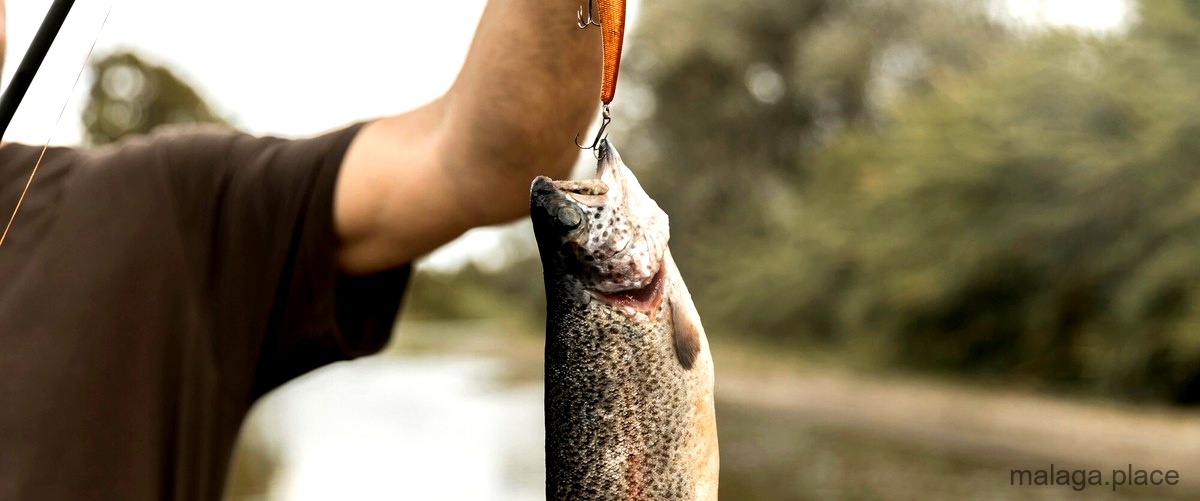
606, 232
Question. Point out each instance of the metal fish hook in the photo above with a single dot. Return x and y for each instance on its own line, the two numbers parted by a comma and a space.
590, 21
604, 121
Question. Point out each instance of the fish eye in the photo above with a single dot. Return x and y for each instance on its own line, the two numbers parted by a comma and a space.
569, 216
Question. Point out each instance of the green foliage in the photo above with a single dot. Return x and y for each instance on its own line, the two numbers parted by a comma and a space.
1035, 217
131, 96
744, 90
928, 190
470, 293
745, 94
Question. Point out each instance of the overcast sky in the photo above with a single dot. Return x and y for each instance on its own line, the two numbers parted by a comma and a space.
281, 67
299, 67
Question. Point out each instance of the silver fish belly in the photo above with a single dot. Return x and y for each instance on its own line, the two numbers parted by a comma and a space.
629, 376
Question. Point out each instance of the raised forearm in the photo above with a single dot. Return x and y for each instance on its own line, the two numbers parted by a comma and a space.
412, 182
530, 83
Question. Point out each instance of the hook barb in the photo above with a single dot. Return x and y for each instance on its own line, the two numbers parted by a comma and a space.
604, 121
590, 20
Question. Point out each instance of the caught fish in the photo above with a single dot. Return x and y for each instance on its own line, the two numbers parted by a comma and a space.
629, 378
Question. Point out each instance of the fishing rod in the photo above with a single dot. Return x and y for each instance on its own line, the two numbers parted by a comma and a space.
15, 93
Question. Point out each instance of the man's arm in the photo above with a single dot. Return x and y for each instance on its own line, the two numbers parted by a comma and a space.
413, 182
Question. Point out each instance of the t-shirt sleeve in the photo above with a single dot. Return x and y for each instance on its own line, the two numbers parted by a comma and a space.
258, 215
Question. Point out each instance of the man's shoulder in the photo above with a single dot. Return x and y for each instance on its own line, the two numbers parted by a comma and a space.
179, 145
10, 151
19, 158
196, 138
168, 134
191, 131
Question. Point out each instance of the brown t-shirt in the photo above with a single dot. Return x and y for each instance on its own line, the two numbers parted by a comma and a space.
151, 291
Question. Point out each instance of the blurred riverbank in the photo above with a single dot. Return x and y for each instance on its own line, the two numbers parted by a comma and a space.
452, 410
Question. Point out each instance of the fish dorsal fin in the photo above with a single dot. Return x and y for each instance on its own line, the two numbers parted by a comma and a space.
685, 320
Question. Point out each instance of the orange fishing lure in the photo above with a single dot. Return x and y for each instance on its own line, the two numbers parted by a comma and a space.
612, 26
612, 29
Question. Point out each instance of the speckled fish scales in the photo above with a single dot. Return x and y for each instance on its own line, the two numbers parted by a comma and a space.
629, 378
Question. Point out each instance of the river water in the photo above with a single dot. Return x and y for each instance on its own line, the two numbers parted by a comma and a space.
389, 427
461, 427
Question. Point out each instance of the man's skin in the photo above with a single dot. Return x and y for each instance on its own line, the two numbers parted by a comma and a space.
414, 181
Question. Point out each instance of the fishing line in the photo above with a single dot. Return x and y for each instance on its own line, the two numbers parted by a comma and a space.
30, 63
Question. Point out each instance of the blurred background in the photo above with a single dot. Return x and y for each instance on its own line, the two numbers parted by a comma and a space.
932, 241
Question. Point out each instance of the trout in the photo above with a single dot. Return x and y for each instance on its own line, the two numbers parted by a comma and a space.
629, 378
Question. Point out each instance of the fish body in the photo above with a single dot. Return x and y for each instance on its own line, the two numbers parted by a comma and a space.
629, 376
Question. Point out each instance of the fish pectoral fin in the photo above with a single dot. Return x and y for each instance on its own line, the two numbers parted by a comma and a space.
685, 321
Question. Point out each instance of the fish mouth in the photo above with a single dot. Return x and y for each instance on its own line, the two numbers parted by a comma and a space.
643, 299
607, 166
608, 180
577, 187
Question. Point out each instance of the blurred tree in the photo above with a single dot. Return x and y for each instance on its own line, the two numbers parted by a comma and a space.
914, 183
1031, 218
744, 94
131, 96
1036, 217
